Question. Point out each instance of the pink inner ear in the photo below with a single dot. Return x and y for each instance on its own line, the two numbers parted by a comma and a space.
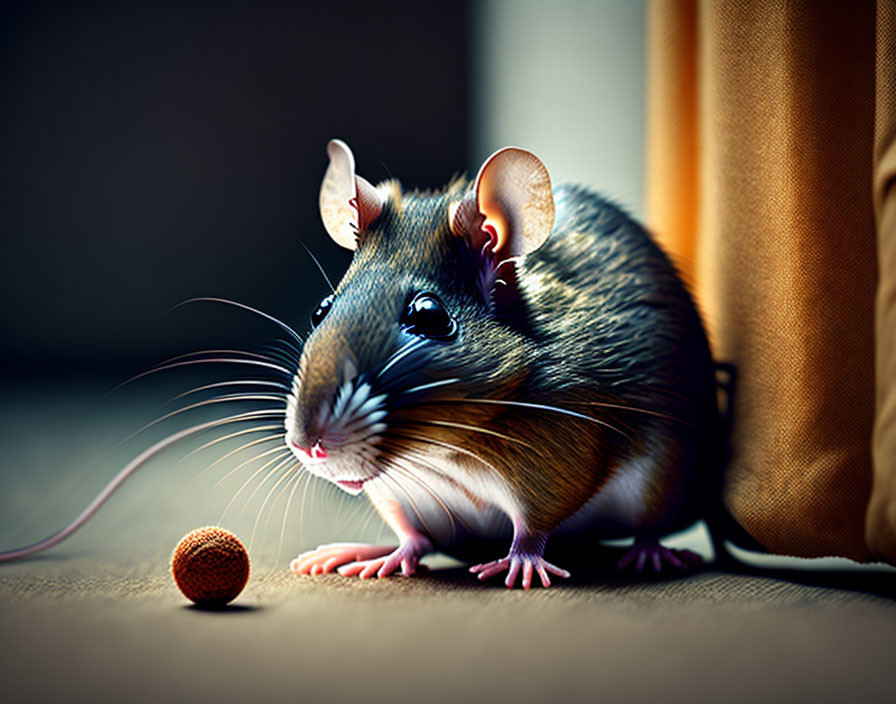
368, 202
467, 222
513, 193
492, 233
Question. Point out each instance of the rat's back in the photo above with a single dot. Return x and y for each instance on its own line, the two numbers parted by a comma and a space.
617, 324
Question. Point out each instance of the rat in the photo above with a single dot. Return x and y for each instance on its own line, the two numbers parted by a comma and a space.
503, 362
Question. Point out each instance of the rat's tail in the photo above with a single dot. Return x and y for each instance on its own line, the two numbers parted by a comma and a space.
107, 491
722, 526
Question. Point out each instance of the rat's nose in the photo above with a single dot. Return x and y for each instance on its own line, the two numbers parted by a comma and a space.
311, 455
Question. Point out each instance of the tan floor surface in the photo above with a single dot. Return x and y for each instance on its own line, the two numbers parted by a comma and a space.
99, 619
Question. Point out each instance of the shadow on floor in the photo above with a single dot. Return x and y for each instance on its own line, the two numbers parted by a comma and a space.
602, 573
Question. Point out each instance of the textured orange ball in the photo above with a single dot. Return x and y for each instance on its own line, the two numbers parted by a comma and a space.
210, 566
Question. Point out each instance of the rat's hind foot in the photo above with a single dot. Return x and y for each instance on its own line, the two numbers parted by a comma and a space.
649, 553
525, 556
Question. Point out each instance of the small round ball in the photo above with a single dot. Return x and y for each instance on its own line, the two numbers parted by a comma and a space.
210, 566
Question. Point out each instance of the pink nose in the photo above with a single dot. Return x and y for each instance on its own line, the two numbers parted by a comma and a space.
316, 452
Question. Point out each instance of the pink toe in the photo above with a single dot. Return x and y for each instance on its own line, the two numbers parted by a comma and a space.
527, 575
512, 573
642, 560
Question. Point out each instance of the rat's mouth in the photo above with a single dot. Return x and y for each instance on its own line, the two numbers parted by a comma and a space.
353, 486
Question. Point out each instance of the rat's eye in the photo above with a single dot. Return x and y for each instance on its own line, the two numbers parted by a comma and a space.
426, 316
322, 309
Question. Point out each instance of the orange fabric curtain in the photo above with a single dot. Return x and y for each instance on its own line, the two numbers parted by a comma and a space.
770, 154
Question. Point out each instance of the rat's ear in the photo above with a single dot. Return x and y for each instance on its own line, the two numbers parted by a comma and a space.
511, 203
348, 203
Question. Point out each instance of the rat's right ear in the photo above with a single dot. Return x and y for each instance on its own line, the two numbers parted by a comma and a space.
348, 203
511, 204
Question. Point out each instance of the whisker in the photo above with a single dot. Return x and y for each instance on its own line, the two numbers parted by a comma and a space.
297, 479
319, 267
540, 407
379, 532
623, 407
260, 441
431, 385
271, 396
278, 396
213, 352
463, 426
443, 444
221, 360
286, 475
236, 418
274, 460
400, 354
370, 516
396, 483
308, 483
273, 451
235, 382
223, 438
281, 352
409, 474
210, 299
172, 363
287, 349
190, 362
316, 489
356, 508
193, 406
285, 360
291, 473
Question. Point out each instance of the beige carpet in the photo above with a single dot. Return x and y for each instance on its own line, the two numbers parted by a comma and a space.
99, 619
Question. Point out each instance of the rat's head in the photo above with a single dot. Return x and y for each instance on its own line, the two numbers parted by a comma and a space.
424, 317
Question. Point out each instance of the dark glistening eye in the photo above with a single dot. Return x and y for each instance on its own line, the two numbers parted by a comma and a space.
426, 316
322, 309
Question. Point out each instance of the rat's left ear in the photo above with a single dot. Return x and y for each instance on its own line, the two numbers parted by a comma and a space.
511, 203
348, 203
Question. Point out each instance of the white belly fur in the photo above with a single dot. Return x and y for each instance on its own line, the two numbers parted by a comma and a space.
485, 518
617, 510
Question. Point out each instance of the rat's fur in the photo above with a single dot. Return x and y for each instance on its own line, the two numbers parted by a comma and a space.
594, 332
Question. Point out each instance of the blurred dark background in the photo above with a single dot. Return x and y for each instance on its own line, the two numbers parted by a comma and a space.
152, 152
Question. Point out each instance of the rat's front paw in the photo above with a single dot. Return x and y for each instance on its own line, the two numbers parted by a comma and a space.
364, 560
514, 563
326, 558
407, 555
